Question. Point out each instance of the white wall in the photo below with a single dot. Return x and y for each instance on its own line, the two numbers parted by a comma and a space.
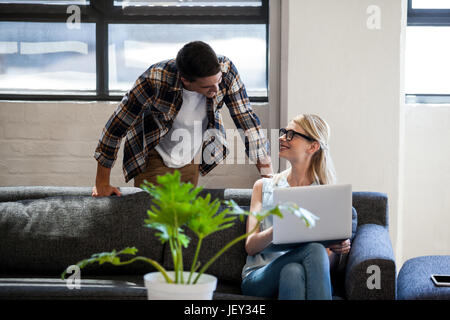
52, 143
426, 201
333, 65
336, 67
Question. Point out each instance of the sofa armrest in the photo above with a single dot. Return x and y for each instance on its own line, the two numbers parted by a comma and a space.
370, 272
372, 207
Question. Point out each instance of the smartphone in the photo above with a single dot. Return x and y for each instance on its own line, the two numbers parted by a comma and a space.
441, 280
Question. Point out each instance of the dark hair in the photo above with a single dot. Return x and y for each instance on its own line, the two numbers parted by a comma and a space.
197, 60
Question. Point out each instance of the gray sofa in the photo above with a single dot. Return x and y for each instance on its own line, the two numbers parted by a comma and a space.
43, 230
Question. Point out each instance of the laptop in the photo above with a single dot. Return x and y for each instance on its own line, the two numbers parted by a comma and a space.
331, 203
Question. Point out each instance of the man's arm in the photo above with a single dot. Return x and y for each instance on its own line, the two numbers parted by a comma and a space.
265, 168
126, 114
245, 118
102, 184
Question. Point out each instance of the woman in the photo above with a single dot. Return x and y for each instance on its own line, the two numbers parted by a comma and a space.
303, 272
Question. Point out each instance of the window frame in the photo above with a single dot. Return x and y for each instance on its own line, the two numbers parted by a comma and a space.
103, 13
432, 18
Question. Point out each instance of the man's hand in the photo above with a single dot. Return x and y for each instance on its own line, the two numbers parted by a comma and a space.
102, 186
105, 191
341, 248
265, 168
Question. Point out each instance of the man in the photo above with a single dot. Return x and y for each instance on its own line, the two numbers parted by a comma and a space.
179, 96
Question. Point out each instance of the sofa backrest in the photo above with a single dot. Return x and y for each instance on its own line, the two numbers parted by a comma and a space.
372, 207
10, 194
43, 230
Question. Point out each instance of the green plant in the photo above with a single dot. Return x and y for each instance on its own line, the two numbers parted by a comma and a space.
176, 206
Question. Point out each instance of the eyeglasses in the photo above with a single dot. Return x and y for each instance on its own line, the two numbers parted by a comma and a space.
290, 135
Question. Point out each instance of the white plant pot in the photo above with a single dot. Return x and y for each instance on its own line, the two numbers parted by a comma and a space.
159, 289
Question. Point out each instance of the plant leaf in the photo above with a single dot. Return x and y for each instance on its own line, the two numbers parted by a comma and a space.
235, 208
184, 239
207, 220
102, 257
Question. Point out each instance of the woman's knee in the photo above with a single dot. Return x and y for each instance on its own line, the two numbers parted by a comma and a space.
292, 271
317, 251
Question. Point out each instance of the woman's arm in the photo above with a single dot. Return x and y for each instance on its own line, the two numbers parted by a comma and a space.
258, 240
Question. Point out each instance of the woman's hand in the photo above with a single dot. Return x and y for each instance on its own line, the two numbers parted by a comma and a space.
341, 248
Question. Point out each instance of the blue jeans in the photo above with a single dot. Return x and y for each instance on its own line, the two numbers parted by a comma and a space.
300, 274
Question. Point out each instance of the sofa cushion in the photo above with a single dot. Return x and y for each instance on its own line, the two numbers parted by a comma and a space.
39, 288
46, 235
10, 194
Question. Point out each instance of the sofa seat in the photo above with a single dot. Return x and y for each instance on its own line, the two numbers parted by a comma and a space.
32, 287
29, 287
414, 279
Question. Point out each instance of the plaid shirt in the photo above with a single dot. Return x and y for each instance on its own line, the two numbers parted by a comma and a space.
147, 111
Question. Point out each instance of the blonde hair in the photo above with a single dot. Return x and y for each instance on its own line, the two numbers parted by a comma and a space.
321, 168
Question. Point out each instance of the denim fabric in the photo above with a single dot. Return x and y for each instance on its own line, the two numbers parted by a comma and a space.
302, 273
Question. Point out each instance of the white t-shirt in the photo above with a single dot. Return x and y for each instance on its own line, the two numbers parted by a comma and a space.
180, 145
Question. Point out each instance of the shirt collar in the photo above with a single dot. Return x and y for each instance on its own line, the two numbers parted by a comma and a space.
178, 85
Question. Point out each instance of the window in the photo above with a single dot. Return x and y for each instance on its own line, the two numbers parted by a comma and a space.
427, 66
95, 50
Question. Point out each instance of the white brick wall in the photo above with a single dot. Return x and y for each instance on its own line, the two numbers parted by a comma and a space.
52, 143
